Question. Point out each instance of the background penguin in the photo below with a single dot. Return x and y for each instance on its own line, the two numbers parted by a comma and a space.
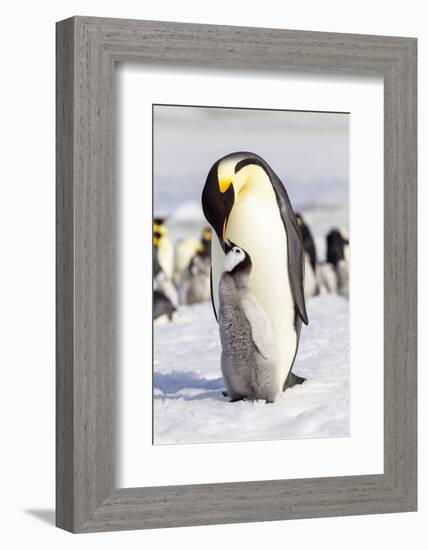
249, 359
162, 307
185, 250
310, 282
333, 275
342, 271
338, 257
307, 240
163, 285
336, 245
206, 242
327, 278
345, 238
195, 286
163, 247
245, 201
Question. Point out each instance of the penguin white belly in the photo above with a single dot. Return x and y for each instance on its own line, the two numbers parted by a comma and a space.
166, 257
255, 224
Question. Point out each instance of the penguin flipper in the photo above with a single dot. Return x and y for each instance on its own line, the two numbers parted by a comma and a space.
261, 329
296, 266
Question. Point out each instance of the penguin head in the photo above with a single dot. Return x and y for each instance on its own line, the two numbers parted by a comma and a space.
206, 234
159, 230
336, 243
159, 225
226, 181
205, 243
236, 258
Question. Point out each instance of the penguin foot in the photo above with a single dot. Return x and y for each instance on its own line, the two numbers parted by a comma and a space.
236, 398
233, 397
293, 380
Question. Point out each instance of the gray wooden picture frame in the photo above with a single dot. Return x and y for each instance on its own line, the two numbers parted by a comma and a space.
87, 51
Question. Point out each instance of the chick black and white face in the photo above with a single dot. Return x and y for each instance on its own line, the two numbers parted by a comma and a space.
234, 257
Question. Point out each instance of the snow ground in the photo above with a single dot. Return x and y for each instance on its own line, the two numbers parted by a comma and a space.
188, 403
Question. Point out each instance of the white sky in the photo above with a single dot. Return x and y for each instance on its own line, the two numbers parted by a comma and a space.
308, 151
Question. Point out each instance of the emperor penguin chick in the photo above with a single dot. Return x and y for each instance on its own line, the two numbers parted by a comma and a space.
249, 358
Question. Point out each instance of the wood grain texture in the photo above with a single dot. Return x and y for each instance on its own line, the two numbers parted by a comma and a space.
64, 276
87, 49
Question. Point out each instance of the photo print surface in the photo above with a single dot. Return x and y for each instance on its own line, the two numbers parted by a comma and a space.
250, 274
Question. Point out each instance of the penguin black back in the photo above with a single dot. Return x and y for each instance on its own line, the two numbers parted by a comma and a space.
307, 240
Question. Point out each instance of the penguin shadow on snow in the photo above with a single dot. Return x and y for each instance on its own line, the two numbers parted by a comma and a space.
172, 383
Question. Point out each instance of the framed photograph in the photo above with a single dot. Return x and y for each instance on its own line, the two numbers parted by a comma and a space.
236, 274
190, 278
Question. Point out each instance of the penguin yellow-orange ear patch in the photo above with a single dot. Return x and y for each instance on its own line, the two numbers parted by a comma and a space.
159, 228
225, 174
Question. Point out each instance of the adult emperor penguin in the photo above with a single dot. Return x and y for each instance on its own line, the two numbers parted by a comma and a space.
244, 201
163, 262
163, 247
